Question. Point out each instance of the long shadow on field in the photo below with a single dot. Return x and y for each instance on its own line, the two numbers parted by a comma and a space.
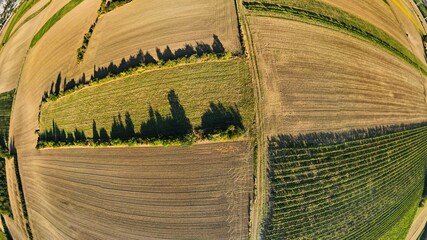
140, 58
56, 135
165, 55
157, 127
175, 125
220, 119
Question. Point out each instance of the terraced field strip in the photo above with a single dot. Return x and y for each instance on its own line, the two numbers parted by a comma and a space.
357, 188
324, 14
55, 18
196, 85
317, 79
33, 15
20, 12
197, 192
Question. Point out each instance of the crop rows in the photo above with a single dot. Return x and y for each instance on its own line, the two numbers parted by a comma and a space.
324, 14
6, 100
353, 189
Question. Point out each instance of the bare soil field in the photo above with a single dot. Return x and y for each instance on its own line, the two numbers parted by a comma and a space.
388, 17
317, 79
40, 65
147, 26
17, 47
198, 192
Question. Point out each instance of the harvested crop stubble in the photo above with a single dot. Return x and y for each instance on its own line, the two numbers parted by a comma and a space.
387, 17
155, 24
317, 79
198, 192
12, 55
196, 85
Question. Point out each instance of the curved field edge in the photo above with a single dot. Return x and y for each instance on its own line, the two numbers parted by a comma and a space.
321, 13
350, 184
20, 12
208, 92
33, 15
54, 19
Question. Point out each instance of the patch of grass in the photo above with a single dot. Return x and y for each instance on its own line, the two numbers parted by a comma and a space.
401, 228
325, 14
20, 12
203, 90
349, 185
54, 19
6, 100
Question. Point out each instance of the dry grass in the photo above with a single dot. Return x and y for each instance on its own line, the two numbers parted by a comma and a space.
198, 192
317, 79
197, 85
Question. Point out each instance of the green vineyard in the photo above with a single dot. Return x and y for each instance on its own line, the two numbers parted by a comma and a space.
6, 100
351, 185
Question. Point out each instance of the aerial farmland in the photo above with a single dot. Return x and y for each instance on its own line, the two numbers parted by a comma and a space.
213, 119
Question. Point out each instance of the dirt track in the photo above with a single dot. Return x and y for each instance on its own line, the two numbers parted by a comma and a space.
198, 192
317, 79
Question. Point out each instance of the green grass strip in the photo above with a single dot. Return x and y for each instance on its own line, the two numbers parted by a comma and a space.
6, 100
32, 16
321, 13
422, 8
20, 12
54, 19
401, 228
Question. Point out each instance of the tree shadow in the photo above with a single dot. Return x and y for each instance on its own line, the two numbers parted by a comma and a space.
136, 60
55, 136
125, 64
219, 119
122, 131
175, 125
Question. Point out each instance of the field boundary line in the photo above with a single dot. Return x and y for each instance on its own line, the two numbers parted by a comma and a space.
258, 206
306, 16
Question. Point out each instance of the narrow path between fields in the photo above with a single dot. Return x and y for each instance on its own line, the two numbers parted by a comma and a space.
417, 225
